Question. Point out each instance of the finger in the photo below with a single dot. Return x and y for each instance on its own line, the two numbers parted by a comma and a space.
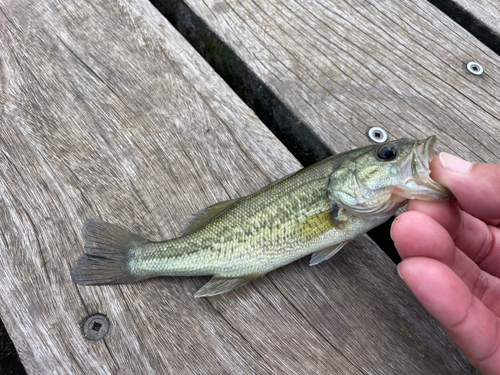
474, 328
418, 235
445, 213
479, 241
494, 223
415, 235
474, 185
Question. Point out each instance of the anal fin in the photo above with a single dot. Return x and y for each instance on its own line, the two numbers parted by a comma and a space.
325, 254
219, 285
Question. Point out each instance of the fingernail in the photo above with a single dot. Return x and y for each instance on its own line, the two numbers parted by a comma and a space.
454, 163
399, 272
390, 231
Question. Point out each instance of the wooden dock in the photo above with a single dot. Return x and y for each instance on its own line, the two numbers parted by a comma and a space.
109, 112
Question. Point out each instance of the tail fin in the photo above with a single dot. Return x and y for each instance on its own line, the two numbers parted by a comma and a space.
108, 251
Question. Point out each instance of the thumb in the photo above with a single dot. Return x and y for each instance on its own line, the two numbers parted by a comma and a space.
476, 186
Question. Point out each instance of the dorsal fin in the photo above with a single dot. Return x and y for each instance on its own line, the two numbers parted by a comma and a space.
278, 181
204, 216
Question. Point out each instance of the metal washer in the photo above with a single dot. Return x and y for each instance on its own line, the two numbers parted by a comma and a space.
96, 327
475, 68
377, 134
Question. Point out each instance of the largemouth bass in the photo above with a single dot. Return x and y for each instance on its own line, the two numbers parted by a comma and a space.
316, 210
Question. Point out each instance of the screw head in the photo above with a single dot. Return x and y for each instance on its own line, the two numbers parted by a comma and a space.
475, 68
96, 327
377, 134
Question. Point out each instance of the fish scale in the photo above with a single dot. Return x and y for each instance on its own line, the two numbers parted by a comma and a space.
313, 211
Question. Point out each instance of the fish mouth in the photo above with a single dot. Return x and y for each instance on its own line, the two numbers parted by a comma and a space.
422, 154
416, 167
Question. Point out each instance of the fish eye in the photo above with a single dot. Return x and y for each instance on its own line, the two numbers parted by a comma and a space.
387, 152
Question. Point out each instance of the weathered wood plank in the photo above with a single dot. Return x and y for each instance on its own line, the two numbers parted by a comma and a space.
342, 67
107, 112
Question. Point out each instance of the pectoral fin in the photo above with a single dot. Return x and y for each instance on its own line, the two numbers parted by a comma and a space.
335, 213
325, 254
219, 285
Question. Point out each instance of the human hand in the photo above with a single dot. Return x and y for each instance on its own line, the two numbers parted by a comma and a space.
451, 257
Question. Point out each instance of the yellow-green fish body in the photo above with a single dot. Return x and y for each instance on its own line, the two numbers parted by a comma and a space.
314, 211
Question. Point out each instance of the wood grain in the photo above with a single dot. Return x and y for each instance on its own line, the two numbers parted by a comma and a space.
342, 67
107, 112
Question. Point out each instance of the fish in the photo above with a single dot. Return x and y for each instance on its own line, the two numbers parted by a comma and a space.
314, 211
